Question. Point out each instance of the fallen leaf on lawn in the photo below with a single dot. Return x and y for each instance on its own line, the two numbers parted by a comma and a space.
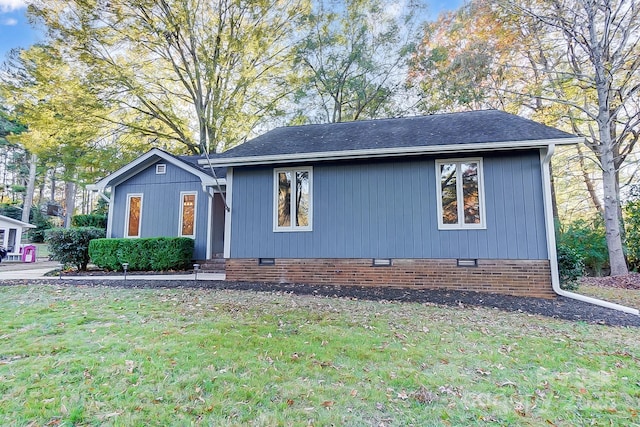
290, 402
130, 364
483, 372
423, 395
403, 395
354, 392
328, 403
519, 408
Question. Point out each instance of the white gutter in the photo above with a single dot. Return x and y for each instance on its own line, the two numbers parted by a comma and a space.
388, 152
551, 241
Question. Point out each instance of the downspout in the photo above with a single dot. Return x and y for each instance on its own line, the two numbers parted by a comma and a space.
551, 242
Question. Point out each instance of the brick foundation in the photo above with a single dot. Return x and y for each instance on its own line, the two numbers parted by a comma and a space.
510, 277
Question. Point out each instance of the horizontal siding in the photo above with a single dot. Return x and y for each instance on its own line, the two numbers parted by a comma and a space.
387, 209
161, 204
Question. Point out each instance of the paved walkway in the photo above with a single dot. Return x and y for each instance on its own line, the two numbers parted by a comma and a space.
37, 270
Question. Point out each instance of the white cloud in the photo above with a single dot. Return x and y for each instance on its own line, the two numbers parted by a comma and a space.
10, 5
9, 22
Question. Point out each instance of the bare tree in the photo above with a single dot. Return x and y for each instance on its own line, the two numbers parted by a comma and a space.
599, 76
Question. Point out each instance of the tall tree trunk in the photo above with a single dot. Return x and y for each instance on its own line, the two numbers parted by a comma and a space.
69, 202
31, 185
53, 185
611, 218
589, 182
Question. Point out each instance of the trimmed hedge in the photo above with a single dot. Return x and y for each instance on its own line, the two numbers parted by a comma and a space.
71, 245
146, 254
92, 220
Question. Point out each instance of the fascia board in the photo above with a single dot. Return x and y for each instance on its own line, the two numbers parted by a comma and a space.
392, 152
132, 168
16, 222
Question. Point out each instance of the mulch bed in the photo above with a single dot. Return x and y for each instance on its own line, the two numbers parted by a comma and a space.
560, 307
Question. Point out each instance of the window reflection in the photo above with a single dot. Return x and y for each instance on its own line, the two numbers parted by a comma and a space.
135, 203
448, 185
284, 199
188, 214
293, 199
470, 193
302, 198
459, 190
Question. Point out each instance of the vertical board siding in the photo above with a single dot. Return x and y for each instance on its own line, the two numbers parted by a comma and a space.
161, 204
388, 209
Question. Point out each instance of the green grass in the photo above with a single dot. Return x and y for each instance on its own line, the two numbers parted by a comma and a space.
134, 357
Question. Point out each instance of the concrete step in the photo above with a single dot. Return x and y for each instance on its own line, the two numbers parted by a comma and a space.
215, 265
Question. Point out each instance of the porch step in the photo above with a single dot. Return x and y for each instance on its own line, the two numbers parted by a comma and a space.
215, 265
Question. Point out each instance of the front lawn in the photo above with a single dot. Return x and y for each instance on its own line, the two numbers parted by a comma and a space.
109, 356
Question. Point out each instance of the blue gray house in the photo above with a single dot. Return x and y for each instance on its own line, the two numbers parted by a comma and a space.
160, 194
455, 201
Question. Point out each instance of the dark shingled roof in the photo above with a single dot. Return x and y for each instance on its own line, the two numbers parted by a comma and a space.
203, 166
486, 126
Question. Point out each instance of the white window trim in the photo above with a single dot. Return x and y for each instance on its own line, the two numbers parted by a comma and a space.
481, 199
195, 212
292, 227
126, 221
161, 168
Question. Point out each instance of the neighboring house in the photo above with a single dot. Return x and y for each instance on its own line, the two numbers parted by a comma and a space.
159, 194
11, 235
457, 201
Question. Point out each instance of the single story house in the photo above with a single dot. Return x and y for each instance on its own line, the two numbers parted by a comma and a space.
11, 235
454, 201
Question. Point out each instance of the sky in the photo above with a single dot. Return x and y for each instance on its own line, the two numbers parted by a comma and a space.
15, 31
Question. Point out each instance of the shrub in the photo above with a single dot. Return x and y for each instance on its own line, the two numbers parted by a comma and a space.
155, 253
588, 240
42, 222
92, 220
71, 245
570, 266
632, 231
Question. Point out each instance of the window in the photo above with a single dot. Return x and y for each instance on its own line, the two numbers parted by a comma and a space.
134, 211
161, 169
188, 214
292, 204
460, 194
